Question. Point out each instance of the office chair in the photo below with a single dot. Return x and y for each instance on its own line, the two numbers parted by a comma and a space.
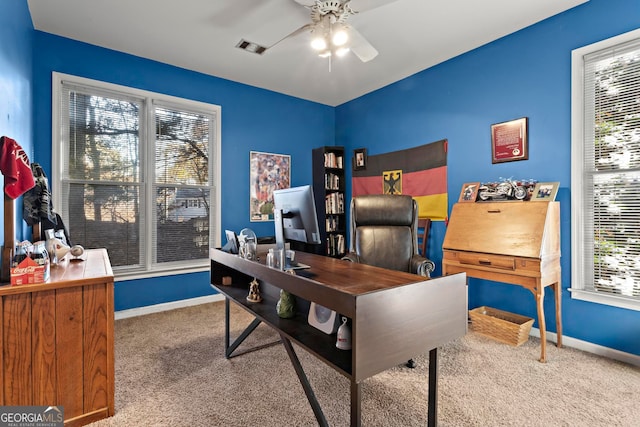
384, 233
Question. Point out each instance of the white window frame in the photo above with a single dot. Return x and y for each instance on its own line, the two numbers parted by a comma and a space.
148, 140
578, 288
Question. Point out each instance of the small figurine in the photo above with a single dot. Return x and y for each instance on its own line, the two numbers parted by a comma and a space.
286, 306
254, 291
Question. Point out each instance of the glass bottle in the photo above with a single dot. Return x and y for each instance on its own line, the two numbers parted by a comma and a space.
21, 252
39, 253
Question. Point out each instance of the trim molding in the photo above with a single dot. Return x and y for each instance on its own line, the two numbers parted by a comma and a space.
599, 350
157, 308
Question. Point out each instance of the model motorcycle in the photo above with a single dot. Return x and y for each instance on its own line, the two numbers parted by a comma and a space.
507, 189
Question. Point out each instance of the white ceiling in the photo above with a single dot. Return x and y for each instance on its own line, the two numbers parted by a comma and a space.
201, 35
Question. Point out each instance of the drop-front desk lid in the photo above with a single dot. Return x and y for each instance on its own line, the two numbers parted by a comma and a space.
524, 229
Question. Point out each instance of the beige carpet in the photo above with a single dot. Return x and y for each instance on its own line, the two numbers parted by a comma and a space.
171, 371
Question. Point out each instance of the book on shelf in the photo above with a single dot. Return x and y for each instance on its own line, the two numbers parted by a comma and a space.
331, 181
334, 203
333, 160
333, 224
335, 244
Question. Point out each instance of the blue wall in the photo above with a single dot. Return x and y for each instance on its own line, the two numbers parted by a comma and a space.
526, 74
16, 32
252, 120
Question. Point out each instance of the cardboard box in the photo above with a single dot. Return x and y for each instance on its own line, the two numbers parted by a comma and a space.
28, 272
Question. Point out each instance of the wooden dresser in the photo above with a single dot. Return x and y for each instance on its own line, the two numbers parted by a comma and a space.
510, 242
57, 340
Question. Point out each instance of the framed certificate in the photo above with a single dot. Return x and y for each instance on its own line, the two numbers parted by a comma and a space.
509, 141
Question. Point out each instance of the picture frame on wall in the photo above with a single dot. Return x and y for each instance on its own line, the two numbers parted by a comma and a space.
469, 192
545, 192
359, 159
510, 141
267, 172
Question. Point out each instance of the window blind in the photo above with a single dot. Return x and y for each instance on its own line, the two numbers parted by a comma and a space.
611, 181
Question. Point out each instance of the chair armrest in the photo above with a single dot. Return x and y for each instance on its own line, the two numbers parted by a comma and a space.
351, 256
422, 266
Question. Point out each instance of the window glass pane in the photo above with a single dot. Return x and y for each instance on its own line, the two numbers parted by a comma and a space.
182, 147
182, 223
617, 113
106, 216
118, 149
611, 179
103, 140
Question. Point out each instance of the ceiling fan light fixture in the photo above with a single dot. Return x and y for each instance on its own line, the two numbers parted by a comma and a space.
340, 37
342, 51
319, 43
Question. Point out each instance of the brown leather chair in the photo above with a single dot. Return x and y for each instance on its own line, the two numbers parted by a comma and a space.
384, 233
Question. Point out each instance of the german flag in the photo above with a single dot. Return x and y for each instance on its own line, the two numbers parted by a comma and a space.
420, 172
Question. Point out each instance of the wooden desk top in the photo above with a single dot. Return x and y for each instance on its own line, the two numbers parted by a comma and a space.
330, 282
94, 267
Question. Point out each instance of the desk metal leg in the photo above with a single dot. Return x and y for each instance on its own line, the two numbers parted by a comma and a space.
230, 348
432, 416
311, 397
356, 398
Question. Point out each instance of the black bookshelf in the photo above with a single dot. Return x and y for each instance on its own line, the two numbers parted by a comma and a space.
329, 191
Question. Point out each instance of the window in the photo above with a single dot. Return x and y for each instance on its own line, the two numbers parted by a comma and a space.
136, 173
606, 172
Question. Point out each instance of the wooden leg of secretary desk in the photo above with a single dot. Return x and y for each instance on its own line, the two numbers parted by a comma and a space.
539, 294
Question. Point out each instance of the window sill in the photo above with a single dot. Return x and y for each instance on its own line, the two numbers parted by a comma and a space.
122, 276
599, 298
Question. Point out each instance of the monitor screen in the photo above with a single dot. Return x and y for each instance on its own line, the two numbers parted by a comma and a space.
295, 216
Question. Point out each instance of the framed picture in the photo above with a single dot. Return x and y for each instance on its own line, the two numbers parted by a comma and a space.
509, 141
545, 192
359, 159
469, 192
268, 172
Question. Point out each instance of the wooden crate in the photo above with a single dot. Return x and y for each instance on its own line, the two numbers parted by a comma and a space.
509, 328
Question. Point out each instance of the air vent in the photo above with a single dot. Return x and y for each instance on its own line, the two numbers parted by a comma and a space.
251, 47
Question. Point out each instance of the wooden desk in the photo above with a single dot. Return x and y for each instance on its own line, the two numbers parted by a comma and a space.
394, 316
57, 341
510, 242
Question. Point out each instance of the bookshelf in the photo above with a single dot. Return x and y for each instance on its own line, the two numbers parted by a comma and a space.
328, 189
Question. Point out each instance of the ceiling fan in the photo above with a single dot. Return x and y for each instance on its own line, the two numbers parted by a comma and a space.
332, 36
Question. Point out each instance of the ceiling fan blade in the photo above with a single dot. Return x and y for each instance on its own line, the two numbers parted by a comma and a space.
300, 30
361, 47
364, 5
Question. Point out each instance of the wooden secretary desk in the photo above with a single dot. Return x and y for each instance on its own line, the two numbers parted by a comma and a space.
511, 242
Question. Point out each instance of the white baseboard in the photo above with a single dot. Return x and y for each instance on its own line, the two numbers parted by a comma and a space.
157, 308
611, 353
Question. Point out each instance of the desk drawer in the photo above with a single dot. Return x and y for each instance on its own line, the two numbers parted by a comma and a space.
487, 260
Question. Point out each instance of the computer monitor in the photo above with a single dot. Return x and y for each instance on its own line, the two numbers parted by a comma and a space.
232, 245
295, 216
